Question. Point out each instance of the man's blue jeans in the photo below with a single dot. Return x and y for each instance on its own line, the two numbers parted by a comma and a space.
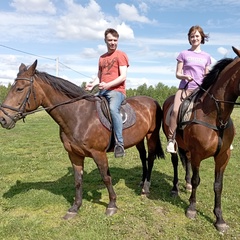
115, 100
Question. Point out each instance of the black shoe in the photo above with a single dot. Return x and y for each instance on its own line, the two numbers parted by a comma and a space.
119, 151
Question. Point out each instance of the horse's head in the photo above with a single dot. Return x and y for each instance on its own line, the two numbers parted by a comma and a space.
19, 97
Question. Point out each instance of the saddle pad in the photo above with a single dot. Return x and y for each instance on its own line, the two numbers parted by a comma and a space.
130, 120
185, 112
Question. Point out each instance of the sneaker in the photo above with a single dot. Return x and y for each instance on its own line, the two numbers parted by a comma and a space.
171, 146
119, 151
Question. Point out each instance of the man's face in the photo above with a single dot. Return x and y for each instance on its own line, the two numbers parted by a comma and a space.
111, 42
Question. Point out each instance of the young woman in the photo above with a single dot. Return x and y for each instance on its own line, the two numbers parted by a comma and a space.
192, 64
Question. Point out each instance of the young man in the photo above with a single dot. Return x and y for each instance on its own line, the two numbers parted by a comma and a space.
112, 73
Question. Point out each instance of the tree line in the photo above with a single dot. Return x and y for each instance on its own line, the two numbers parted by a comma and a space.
160, 92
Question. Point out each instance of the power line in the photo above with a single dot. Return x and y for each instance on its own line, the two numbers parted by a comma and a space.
27, 52
52, 59
74, 70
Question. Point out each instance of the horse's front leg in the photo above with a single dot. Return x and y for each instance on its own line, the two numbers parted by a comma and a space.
220, 166
102, 163
78, 167
191, 211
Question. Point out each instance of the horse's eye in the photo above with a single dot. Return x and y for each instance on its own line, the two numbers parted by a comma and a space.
19, 89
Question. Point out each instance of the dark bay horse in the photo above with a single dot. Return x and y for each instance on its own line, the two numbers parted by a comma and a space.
210, 130
81, 132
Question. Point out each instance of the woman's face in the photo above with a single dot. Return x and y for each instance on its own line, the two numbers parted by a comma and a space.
195, 38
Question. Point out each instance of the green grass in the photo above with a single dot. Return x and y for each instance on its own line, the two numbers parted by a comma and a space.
36, 189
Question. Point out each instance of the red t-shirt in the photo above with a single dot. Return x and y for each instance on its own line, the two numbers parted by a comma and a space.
109, 67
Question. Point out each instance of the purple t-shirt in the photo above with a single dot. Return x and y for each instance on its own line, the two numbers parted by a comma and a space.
194, 64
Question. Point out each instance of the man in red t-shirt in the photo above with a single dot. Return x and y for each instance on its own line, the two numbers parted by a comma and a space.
112, 73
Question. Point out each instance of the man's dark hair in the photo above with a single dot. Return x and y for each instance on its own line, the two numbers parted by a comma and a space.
112, 31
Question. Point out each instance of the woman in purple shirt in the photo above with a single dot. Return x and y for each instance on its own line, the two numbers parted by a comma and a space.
192, 64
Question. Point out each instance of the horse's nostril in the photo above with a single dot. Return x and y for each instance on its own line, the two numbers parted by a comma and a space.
2, 120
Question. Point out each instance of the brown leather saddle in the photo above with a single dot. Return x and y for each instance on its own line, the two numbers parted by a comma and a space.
185, 111
127, 113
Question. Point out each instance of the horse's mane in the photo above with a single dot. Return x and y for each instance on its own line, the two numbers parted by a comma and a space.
69, 89
212, 76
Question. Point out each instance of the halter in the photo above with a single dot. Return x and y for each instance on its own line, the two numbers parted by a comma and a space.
21, 114
217, 103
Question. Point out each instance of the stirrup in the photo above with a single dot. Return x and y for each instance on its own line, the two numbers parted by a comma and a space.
171, 146
119, 151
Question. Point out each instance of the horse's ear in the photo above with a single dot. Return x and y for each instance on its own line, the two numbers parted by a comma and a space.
32, 68
236, 51
22, 67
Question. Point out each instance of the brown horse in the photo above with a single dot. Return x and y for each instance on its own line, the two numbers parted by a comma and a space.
210, 130
82, 133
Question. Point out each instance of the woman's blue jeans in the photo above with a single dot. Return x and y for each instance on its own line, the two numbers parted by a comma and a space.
115, 100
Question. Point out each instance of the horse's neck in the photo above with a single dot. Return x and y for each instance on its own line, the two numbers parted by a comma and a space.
220, 99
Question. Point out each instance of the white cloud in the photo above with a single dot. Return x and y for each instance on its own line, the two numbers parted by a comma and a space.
26, 27
130, 13
38, 6
222, 51
125, 32
81, 22
143, 7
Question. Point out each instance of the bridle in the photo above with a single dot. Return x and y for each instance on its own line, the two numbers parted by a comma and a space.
20, 112
217, 102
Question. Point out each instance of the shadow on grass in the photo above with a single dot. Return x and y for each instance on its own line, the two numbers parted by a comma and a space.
64, 186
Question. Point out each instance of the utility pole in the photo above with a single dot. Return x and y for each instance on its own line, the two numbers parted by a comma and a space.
57, 59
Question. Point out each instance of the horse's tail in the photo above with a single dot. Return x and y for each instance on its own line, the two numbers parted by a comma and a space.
159, 153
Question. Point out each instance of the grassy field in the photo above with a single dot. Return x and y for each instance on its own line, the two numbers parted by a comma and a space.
36, 189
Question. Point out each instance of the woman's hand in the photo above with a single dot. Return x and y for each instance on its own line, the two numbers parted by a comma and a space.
189, 78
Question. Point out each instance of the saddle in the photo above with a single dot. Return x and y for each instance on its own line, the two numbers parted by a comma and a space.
126, 111
185, 111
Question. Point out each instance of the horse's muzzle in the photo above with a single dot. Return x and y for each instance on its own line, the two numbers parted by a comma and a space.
7, 122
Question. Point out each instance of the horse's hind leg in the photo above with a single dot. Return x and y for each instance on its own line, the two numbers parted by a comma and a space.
175, 188
191, 211
188, 175
146, 169
187, 167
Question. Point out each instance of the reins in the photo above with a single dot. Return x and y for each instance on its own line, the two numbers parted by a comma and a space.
215, 99
20, 111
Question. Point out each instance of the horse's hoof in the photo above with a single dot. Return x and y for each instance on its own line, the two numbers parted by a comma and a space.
191, 214
143, 194
174, 193
146, 188
69, 215
189, 187
222, 227
111, 211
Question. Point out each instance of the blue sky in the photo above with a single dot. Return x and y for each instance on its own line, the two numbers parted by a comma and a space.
66, 36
